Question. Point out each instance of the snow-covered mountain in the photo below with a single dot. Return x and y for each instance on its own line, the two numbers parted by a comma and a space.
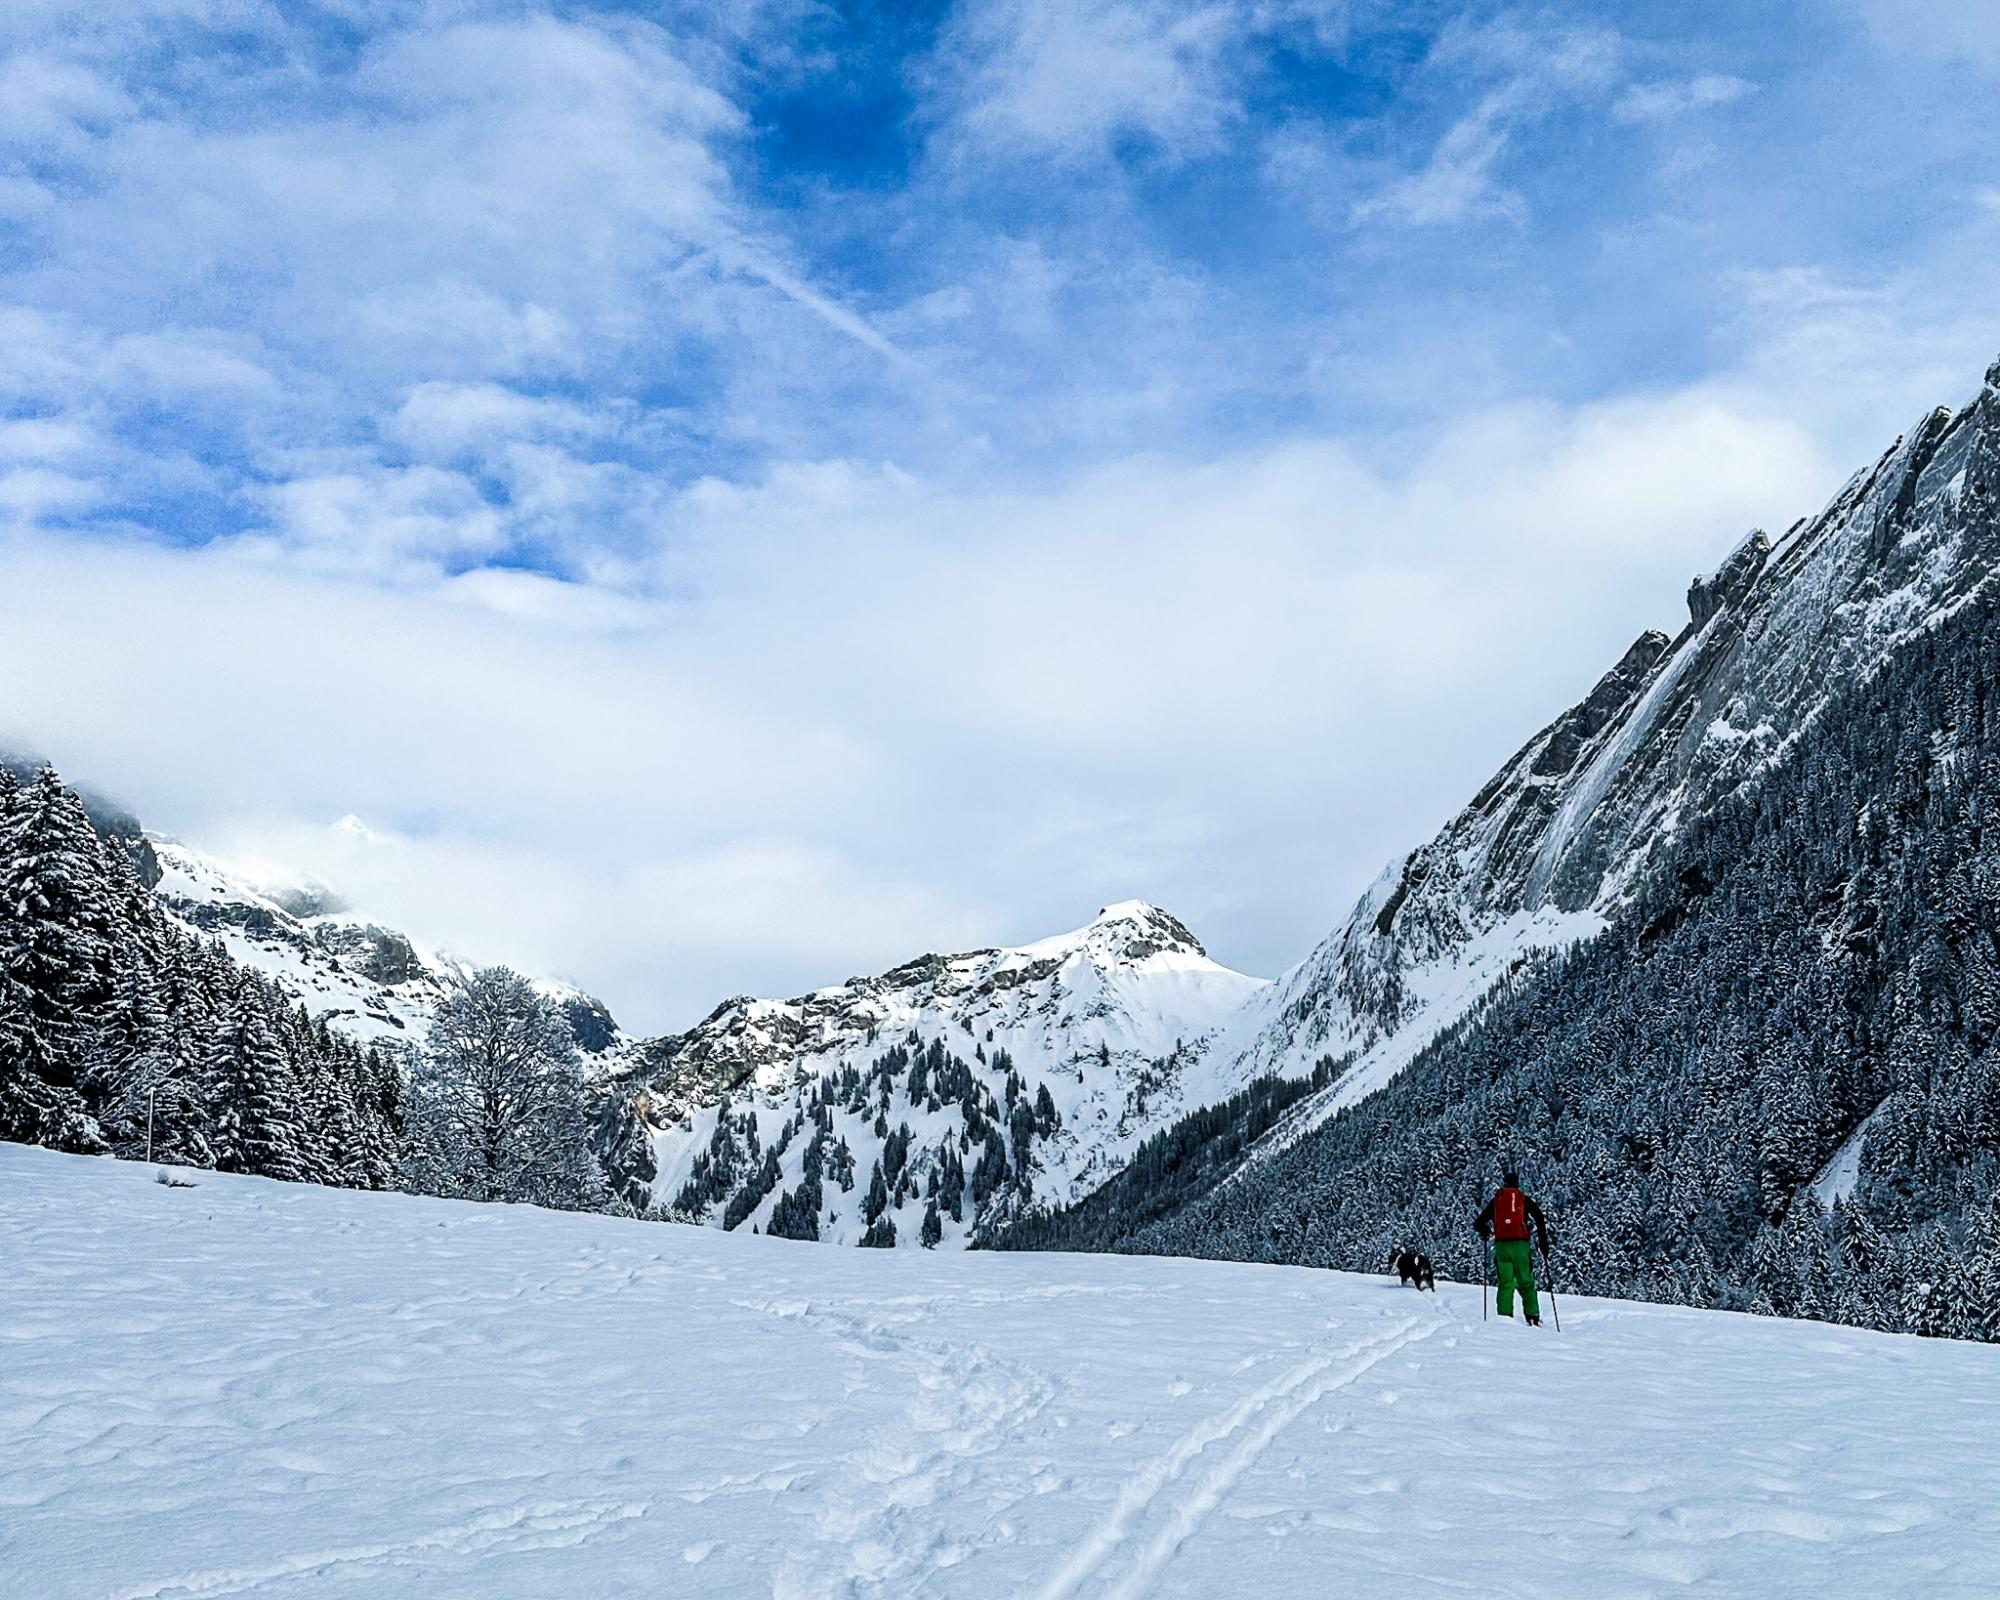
1559, 840
1550, 851
372, 982
1048, 1063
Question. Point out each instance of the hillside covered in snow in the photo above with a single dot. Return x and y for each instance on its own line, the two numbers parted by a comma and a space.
374, 983
944, 1095
1769, 1081
282, 1392
1575, 827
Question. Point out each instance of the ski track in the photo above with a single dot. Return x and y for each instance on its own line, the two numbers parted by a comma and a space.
1278, 1404
545, 1526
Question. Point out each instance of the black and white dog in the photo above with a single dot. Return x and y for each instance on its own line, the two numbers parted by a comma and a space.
1412, 1266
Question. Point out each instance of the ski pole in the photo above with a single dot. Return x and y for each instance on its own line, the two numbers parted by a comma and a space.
1554, 1310
1485, 1272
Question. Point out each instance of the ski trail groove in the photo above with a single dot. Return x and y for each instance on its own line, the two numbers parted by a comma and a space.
546, 1525
1192, 1512
1143, 1489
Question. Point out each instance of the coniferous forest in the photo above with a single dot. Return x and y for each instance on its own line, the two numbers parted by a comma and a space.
124, 1032
1816, 961
113, 1018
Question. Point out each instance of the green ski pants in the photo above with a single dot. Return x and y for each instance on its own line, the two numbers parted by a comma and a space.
1514, 1268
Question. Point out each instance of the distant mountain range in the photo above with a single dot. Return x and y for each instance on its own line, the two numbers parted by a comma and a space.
376, 984
1097, 1025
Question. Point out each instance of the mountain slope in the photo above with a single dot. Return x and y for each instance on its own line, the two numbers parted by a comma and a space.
350, 1394
1560, 841
1046, 1063
1773, 1081
373, 983
1575, 830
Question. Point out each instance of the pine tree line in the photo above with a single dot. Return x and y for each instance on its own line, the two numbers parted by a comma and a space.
1817, 960
114, 1021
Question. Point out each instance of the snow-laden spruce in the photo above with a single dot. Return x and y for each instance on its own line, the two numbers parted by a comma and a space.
278, 1391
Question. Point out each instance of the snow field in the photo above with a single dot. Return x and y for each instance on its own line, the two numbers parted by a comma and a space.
252, 1388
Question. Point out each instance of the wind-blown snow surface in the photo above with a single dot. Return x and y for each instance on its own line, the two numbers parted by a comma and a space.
252, 1388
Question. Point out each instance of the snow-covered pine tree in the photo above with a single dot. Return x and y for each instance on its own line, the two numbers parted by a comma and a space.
132, 1052
257, 1127
496, 1107
56, 953
1976, 1286
881, 1234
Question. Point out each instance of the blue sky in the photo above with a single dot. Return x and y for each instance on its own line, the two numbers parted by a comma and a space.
733, 495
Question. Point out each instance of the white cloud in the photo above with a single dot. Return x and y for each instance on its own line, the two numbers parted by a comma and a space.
1074, 79
452, 421
389, 523
49, 106
1458, 181
472, 202
881, 715
1072, 76
1660, 102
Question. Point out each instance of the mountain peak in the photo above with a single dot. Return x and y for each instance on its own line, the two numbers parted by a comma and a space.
1142, 929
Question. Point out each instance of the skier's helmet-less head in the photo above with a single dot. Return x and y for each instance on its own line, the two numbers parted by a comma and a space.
1510, 1178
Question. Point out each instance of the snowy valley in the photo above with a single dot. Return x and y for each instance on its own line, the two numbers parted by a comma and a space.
1577, 969
255, 1388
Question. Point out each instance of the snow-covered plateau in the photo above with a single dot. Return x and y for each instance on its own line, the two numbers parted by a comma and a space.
250, 1388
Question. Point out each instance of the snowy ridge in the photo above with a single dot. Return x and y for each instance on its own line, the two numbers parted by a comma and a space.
1091, 1026
1551, 849
277, 1390
373, 983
